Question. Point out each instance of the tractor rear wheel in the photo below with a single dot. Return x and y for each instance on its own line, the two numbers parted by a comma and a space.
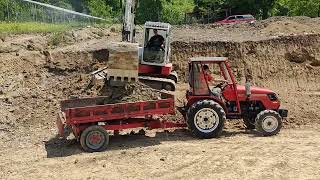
249, 123
268, 123
94, 139
206, 119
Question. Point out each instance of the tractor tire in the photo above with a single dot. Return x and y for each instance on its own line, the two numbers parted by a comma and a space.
249, 123
94, 139
268, 123
206, 119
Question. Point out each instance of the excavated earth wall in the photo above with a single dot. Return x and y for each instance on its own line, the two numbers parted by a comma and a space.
289, 60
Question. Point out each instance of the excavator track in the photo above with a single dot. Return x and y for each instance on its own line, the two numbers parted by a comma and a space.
158, 83
153, 82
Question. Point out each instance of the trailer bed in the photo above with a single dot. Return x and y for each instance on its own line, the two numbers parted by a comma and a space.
88, 110
78, 114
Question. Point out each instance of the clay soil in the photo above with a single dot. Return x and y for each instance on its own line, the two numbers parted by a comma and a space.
281, 54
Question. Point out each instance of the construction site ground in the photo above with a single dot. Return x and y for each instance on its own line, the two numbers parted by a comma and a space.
39, 70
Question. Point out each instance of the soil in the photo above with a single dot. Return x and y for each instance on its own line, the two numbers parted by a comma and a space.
261, 30
132, 92
279, 53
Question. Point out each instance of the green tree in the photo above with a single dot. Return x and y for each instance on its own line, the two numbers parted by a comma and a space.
115, 7
9, 9
78, 5
99, 8
297, 8
304, 7
149, 10
174, 11
281, 8
258, 8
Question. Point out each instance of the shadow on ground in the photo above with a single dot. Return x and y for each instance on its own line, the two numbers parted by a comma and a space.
56, 147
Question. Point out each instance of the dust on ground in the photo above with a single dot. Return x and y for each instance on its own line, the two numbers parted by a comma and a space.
279, 53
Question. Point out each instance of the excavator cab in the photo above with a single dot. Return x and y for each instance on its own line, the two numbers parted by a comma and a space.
156, 44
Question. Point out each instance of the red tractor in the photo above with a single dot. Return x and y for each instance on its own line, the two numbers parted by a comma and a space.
208, 107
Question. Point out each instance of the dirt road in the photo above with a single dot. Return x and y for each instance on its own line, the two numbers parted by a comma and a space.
293, 154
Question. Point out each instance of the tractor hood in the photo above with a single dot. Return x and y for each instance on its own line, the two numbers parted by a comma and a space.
254, 90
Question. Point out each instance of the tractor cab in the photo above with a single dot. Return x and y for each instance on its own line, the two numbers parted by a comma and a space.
207, 75
156, 44
211, 77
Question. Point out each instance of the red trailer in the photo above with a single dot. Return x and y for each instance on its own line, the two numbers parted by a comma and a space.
91, 121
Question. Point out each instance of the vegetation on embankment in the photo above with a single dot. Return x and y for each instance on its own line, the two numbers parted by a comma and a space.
33, 27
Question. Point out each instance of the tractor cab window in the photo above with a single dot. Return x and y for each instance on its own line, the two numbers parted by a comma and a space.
154, 49
206, 77
226, 73
198, 84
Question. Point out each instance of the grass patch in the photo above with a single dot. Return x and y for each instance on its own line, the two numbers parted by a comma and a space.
34, 27
58, 38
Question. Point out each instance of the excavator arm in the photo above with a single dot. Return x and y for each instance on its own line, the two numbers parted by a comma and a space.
128, 26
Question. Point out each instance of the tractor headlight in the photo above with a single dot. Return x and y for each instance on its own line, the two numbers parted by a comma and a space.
272, 97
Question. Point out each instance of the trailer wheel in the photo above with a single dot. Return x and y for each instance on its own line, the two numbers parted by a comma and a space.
94, 139
268, 123
206, 119
249, 123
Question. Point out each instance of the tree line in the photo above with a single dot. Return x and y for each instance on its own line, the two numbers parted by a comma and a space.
176, 11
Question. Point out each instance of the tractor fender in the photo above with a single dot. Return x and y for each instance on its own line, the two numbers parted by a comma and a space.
195, 99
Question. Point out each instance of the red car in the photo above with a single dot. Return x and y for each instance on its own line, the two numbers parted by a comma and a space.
235, 19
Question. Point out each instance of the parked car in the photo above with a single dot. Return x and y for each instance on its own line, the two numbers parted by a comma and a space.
235, 19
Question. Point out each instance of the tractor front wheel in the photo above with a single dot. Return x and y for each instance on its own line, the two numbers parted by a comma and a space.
94, 139
206, 119
268, 123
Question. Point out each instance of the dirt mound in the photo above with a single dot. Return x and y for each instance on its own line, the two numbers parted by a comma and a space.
286, 27
260, 30
132, 92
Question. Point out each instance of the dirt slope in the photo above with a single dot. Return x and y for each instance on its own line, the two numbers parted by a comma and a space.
261, 30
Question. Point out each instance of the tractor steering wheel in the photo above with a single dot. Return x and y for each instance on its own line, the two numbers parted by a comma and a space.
221, 85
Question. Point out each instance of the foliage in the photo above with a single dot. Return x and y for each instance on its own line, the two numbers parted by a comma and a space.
309, 8
304, 7
174, 11
149, 10
99, 8
58, 38
31, 27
